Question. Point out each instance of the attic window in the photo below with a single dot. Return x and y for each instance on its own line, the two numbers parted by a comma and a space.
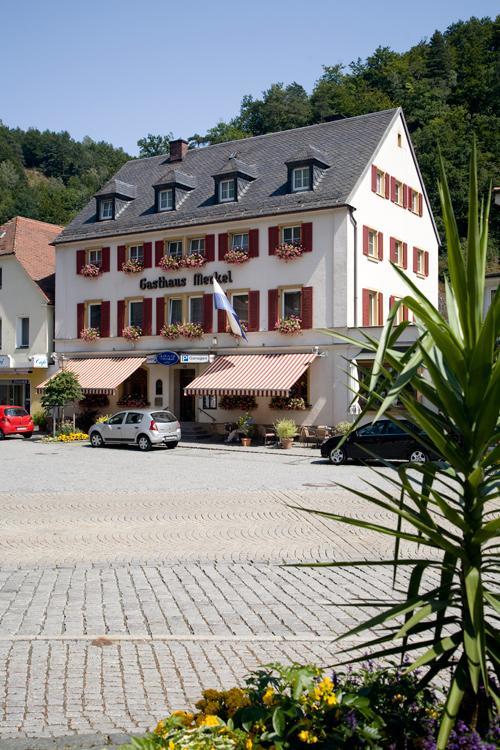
301, 179
166, 200
106, 206
226, 191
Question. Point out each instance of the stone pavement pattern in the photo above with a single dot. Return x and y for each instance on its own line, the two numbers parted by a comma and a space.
119, 606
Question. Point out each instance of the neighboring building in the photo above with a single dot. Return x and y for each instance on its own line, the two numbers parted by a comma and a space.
348, 192
27, 284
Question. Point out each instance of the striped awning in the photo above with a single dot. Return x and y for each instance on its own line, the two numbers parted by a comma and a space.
101, 375
250, 375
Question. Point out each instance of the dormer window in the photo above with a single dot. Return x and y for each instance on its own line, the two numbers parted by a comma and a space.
106, 209
226, 191
166, 200
301, 179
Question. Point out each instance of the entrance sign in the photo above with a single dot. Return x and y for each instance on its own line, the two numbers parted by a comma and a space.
6, 361
40, 360
167, 358
193, 359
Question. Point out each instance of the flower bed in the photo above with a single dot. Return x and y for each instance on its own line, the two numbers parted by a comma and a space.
132, 266
194, 260
289, 326
288, 251
132, 333
236, 255
90, 334
71, 437
244, 403
90, 271
168, 263
288, 403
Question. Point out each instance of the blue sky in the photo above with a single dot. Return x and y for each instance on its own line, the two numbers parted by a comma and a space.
118, 69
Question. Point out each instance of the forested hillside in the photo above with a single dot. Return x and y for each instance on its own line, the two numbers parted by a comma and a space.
448, 86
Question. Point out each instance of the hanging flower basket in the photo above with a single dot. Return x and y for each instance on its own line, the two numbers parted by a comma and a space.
236, 255
288, 403
169, 263
288, 251
90, 271
191, 330
132, 333
194, 260
132, 266
289, 326
244, 328
90, 334
170, 331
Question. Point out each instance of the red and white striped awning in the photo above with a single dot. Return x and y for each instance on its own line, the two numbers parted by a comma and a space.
100, 375
250, 375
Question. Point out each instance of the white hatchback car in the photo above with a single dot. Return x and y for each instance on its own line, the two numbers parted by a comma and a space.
141, 427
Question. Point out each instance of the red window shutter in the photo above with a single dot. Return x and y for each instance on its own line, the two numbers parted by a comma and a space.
105, 319
393, 189
306, 237
147, 250
105, 263
410, 196
391, 301
380, 301
307, 307
405, 255
426, 263
415, 260
147, 316
160, 314
405, 196
273, 234
120, 257
221, 321
392, 249
159, 251
208, 313
120, 316
380, 246
365, 240
386, 185
253, 243
272, 308
210, 247
374, 178
366, 307
406, 313
223, 244
80, 260
253, 311
420, 204
80, 319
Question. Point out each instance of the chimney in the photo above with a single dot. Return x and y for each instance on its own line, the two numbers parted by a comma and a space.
178, 149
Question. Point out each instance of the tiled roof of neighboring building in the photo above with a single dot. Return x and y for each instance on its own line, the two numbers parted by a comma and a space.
30, 241
347, 145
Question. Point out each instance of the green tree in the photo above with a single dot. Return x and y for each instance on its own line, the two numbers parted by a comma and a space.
154, 145
61, 390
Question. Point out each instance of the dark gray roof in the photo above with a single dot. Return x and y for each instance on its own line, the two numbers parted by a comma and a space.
175, 177
233, 165
348, 145
118, 187
310, 153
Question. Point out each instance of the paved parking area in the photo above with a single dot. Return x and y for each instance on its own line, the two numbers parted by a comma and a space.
129, 582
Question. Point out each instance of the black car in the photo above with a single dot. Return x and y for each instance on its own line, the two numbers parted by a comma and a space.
384, 438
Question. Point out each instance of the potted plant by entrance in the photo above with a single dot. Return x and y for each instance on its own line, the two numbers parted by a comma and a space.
246, 427
285, 429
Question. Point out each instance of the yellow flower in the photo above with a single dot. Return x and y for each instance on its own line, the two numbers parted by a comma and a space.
248, 744
306, 736
171, 745
268, 697
210, 721
398, 697
326, 685
331, 699
159, 727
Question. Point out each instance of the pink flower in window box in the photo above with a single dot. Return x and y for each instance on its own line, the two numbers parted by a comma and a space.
132, 266
194, 260
90, 334
132, 333
290, 325
236, 255
90, 271
170, 331
288, 251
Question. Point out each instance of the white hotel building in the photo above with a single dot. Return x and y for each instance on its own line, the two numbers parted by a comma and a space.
348, 192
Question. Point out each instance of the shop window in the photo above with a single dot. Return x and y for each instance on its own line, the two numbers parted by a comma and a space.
291, 303
135, 313
209, 402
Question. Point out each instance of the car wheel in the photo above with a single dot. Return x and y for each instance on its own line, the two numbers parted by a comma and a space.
143, 443
27, 435
2, 436
170, 446
337, 456
96, 440
418, 456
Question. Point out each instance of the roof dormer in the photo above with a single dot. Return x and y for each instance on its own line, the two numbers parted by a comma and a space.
306, 169
112, 199
172, 189
233, 179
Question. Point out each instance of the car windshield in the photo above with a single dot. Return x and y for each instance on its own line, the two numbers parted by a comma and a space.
372, 429
16, 413
163, 416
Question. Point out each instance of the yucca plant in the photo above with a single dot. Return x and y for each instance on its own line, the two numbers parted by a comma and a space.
448, 381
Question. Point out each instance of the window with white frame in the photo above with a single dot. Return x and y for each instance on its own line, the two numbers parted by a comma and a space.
95, 257
174, 248
301, 179
398, 193
94, 315
106, 208
239, 302
175, 310
400, 315
22, 333
414, 201
398, 253
373, 309
166, 200
291, 235
226, 191
136, 253
135, 313
197, 245
373, 244
380, 182
196, 310
420, 265
291, 303
240, 242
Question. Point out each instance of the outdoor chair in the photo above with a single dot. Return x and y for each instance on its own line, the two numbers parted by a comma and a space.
307, 436
267, 434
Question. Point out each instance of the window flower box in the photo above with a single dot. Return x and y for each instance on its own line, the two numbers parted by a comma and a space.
236, 255
289, 326
169, 263
133, 402
132, 333
244, 328
243, 403
288, 251
90, 334
90, 271
191, 330
132, 266
288, 403
194, 260
170, 331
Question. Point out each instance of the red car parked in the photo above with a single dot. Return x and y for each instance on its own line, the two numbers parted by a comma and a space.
14, 420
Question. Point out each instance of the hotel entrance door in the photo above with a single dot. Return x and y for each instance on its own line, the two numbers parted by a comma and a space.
187, 411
